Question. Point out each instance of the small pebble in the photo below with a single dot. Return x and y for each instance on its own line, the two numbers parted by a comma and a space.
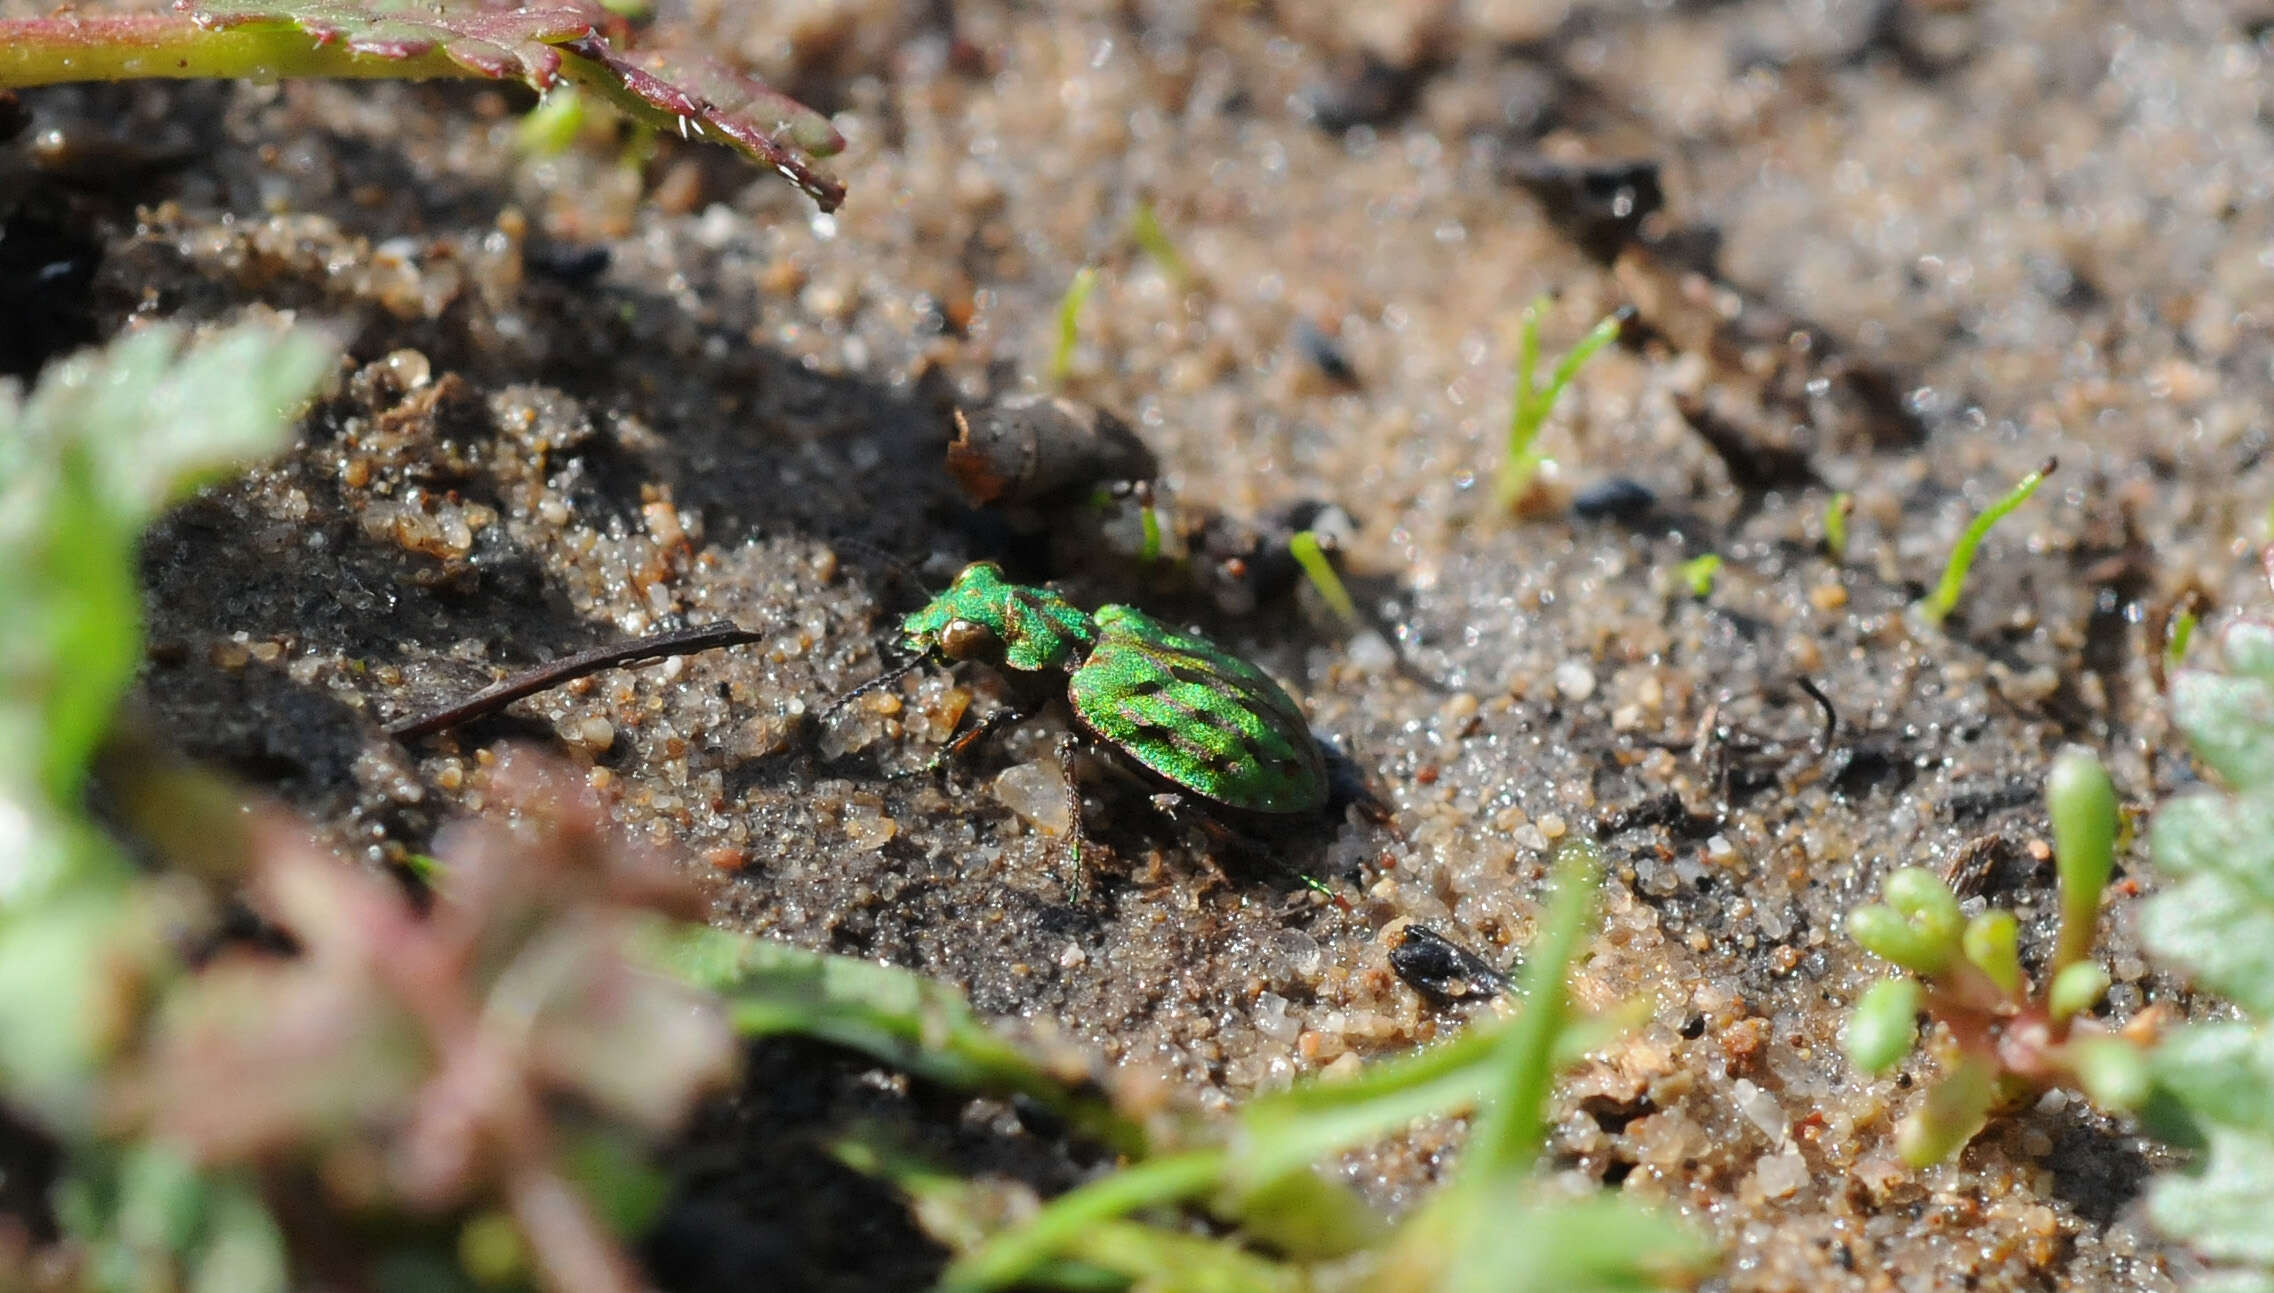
1037, 793
1575, 680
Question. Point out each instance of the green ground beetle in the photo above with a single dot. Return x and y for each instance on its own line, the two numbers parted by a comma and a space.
1183, 708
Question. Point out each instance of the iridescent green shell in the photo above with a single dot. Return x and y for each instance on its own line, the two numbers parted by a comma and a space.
1198, 715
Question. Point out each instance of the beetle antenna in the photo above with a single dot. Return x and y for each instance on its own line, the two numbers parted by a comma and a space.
891, 563
884, 679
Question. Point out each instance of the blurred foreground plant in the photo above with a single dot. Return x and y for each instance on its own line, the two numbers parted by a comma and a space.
1273, 1221
545, 44
2215, 923
2006, 1041
233, 1112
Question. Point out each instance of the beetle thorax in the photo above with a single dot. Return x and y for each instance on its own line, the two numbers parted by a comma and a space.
984, 617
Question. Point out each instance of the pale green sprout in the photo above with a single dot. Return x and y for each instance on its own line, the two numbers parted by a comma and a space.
1698, 573
1146, 231
2178, 638
1532, 403
1069, 323
1304, 544
1836, 514
1937, 606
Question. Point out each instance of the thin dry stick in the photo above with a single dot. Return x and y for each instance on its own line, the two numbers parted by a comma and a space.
499, 694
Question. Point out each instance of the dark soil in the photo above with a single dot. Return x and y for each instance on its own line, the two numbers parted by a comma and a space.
1901, 248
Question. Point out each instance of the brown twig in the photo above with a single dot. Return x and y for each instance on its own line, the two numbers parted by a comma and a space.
499, 694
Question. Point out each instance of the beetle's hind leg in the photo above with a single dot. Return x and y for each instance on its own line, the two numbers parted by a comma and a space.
1075, 875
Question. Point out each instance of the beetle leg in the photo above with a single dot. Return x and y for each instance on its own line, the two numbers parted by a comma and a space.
1077, 877
980, 731
1182, 811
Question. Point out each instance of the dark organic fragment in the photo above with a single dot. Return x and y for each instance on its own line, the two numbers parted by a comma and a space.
1038, 449
1617, 498
1442, 970
1602, 205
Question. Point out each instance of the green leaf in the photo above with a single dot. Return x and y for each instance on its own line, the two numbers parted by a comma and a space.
900, 1018
2223, 1072
1168, 1261
2075, 990
1507, 1238
1303, 1215
2082, 803
243, 1250
1883, 1026
1512, 1127
148, 1218
2112, 1071
1010, 1256
61, 962
2230, 722
2220, 932
2214, 1082
2232, 1282
2220, 1209
540, 44
1993, 943
103, 442
1919, 927
2248, 646
618, 1174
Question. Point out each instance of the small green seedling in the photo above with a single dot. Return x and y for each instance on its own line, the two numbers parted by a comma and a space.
552, 126
1698, 573
1936, 608
2177, 638
1304, 545
1181, 707
2008, 1044
1836, 514
1532, 403
1146, 231
1069, 322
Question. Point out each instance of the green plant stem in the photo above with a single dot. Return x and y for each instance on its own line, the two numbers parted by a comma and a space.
1010, 1255
1069, 322
1836, 515
1145, 228
1149, 519
1510, 1132
121, 47
1304, 545
1955, 1108
1937, 608
2177, 639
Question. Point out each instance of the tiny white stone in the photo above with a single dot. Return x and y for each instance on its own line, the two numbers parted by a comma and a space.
1575, 680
